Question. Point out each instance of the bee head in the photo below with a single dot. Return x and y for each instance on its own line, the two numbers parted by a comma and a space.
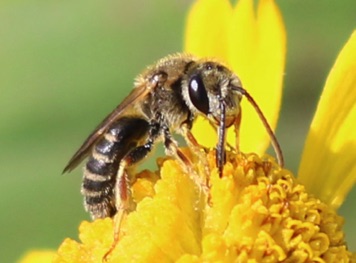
210, 88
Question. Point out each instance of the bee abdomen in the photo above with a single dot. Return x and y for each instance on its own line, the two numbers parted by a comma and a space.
97, 187
98, 174
101, 169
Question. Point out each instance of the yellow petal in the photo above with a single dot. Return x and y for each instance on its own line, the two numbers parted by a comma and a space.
254, 47
38, 256
328, 166
242, 47
166, 225
207, 28
262, 76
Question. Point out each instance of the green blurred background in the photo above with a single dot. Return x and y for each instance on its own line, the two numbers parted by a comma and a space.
65, 64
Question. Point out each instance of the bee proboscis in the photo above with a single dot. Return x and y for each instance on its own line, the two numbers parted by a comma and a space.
165, 100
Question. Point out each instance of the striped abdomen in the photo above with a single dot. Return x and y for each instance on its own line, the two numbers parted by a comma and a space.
101, 169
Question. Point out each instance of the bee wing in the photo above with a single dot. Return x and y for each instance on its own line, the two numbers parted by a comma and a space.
136, 94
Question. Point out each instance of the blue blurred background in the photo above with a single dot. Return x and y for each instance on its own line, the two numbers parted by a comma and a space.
65, 64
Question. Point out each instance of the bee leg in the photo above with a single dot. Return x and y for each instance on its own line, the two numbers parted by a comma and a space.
123, 199
198, 150
237, 132
123, 204
173, 150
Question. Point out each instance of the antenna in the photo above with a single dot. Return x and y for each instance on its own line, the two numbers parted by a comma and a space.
274, 141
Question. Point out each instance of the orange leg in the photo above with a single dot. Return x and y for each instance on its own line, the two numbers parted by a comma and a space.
237, 131
124, 204
198, 151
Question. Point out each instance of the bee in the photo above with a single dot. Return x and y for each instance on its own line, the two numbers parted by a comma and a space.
166, 99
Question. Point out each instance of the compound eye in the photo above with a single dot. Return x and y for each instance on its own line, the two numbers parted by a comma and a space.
198, 95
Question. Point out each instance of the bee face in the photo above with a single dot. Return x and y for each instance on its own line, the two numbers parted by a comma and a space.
206, 86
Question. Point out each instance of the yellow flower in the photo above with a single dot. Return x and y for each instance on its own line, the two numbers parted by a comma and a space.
258, 211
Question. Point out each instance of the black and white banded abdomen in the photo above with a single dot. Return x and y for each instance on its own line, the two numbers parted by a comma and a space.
100, 172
